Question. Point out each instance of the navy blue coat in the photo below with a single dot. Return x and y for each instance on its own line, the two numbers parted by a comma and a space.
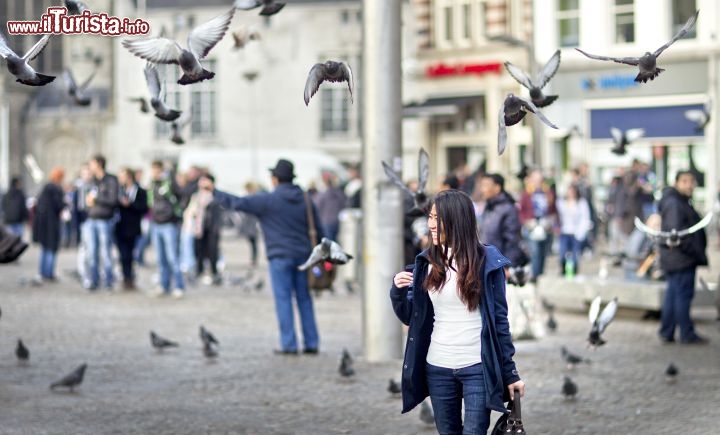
413, 308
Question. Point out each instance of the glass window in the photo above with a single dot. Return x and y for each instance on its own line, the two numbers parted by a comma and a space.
568, 23
335, 112
467, 21
448, 15
682, 10
202, 100
624, 21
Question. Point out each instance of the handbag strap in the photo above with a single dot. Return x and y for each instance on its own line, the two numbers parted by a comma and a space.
312, 231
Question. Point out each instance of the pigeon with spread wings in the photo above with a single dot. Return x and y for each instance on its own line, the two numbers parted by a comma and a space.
647, 63
270, 7
331, 71
77, 93
622, 139
513, 110
157, 95
200, 41
542, 79
674, 237
420, 198
701, 117
326, 250
600, 320
18, 66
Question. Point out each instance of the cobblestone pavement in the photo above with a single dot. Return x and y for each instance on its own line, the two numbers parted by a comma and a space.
131, 389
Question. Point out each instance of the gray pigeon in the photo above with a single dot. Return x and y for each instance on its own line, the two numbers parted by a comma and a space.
75, 7
701, 117
622, 139
600, 320
346, 370
77, 92
420, 198
177, 126
72, 380
331, 71
270, 7
209, 351
426, 414
674, 237
535, 87
513, 111
18, 66
552, 323
160, 343
647, 63
572, 359
199, 42
327, 250
394, 388
569, 388
21, 352
144, 106
207, 336
157, 95
671, 373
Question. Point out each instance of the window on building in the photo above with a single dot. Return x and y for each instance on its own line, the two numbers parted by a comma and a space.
568, 23
624, 21
448, 20
466, 17
682, 10
335, 110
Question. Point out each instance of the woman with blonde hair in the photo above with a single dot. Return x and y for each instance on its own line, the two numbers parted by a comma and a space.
46, 225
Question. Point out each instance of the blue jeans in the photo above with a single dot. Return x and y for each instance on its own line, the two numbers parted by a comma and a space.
47, 263
140, 245
676, 306
97, 237
538, 252
187, 252
448, 389
17, 229
165, 242
569, 245
286, 280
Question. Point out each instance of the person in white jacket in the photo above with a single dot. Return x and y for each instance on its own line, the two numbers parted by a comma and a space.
575, 225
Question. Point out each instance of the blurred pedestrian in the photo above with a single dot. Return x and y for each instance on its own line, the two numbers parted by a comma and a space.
133, 206
500, 221
353, 187
163, 198
46, 223
459, 348
187, 187
537, 216
14, 208
207, 225
144, 239
248, 226
283, 216
680, 262
575, 224
102, 202
329, 203
581, 179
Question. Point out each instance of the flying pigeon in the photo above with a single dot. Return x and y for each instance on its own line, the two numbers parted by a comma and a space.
270, 7
701, 117
207, 336
535, 87
572, 359
75, 7
393, 387
574, 130
420, 198
513, 111
671, 373
243, 36
199, 42
569, 388
331, 71
160, 343
18, 66
600, 321
177, 126
327, 250
673, 237
157, 95
144, 106
72, 380
647, 63
426, 414
75, 91
21, 352
622, 139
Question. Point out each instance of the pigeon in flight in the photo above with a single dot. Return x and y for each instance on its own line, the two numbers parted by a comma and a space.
18, 66
518, 275
426, 414
199, 42
243, 36
21, 352
157, 95
647, 63
77, 92
701, 117
394, 388
326, 250
671, 373
160, 343
346, 369
72, 380
513, 111
144, 106
207, 336
75, 7
569, 389
572, 359
177, 126
420, 198
331, 71
574, 131
600, 320
535, 87
673, 238
270, 7
622, 139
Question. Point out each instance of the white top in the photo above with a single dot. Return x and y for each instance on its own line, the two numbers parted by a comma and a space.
574, 218
455, 339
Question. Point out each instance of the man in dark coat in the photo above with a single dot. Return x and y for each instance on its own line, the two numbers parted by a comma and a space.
500, 224
46, 223
14, 207
133, 206
283, 216
680, 262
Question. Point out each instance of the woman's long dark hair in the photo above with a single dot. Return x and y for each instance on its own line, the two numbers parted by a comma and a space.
456, 222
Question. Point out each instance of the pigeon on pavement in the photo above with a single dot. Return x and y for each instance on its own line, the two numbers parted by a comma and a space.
21, 352
72, 380
600, 320
647, 63
569, 388
209, 351
18, 66
331, 71
671, 373
160, 343
327, 250
420, 198
207, 336
572, 359
393, 387
535, 86
199, 43
513, 110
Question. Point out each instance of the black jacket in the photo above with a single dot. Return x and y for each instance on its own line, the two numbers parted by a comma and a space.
678, 213
46, 224
500, 227
107, 191
13, 206
128, 227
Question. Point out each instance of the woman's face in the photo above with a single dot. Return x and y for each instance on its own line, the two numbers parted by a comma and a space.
434, 227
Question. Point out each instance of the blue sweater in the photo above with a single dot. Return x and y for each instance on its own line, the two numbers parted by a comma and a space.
283, 219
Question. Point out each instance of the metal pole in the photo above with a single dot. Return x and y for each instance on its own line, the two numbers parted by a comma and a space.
382, 203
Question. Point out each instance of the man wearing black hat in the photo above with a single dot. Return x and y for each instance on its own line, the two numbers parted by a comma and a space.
283, 218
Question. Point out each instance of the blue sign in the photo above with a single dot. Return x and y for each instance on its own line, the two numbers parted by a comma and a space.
662, 121
613, 81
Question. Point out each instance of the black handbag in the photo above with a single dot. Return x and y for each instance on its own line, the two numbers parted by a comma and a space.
322, 275
510, 423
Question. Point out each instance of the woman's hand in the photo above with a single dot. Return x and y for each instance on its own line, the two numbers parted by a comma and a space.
520, 386
403, 279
